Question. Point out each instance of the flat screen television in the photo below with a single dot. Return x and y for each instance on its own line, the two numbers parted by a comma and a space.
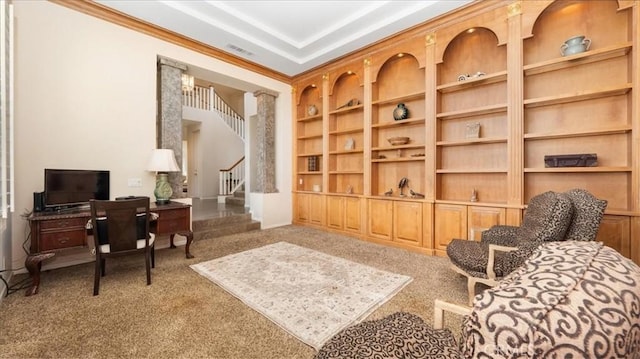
71, 188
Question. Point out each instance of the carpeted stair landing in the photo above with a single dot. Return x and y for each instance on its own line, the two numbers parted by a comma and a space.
223, 226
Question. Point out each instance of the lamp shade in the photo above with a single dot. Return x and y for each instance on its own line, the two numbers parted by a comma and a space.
162, 160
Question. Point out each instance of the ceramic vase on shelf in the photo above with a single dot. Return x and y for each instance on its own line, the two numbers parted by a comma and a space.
575, 45
400, 112
312, 110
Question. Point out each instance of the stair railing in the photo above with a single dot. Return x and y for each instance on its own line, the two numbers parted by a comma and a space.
232, 178
206, 99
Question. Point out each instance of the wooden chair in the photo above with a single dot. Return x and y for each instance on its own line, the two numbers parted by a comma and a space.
120, 228
574, 215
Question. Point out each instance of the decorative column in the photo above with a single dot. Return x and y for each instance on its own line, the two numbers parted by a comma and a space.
169, 121
265, 147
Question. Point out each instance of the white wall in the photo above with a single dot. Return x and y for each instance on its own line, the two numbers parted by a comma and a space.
86, 98
219, 148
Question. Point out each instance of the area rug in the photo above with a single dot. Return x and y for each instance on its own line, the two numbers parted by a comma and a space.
309, 294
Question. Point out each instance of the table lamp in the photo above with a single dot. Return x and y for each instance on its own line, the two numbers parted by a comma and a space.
162, 162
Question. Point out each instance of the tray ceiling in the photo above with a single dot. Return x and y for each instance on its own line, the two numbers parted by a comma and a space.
287, 36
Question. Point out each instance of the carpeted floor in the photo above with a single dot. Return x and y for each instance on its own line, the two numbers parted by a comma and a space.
183, 315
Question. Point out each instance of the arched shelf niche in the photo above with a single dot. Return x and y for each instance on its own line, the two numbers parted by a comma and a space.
399, 76
445, 38
311, 94
476, 49
582, 102
346, 87
472, 119
601, 21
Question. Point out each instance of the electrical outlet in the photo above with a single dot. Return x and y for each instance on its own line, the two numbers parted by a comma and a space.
135, 182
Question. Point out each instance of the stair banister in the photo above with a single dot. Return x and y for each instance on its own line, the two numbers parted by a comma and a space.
232, 178
206, 99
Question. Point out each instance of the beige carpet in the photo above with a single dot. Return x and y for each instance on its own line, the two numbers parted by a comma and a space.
309, 294
182, 315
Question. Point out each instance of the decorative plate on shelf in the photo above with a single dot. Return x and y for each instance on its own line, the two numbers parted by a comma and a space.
400, 112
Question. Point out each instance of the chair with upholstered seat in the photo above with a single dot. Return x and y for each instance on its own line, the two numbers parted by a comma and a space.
550, 216
503, 248
121, 228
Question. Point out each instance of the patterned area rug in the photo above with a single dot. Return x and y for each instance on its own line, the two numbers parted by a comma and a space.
309, 294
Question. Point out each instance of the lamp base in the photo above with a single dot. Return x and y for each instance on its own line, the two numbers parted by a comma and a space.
163, 191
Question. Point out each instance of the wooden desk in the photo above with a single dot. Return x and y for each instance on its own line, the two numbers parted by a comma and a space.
55, 231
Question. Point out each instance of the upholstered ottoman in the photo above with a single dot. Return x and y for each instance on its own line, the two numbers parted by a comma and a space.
400, 335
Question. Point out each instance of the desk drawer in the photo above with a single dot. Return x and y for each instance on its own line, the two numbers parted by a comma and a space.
64, 223
168, 226
173, 214
62, 239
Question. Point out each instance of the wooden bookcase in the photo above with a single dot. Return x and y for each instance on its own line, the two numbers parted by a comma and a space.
484, 135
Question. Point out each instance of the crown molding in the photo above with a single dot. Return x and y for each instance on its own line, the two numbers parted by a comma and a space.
102, 12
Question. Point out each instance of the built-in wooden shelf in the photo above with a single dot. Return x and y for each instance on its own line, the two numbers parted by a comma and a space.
586, 57
476, 111
471, 170
552, 135
311, 118
398, 99
407, 122
319, 154
576, 169
399, 159
346, 131
347, 109
469, 83
310, 137
345, 152
474, 141
578, 96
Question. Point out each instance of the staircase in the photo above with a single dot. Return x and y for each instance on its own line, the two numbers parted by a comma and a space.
236, 199
222, 226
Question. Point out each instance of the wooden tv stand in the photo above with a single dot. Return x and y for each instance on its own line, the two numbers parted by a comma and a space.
54, 231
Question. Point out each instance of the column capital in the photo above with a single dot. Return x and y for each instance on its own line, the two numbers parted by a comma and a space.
171, 62
265, 92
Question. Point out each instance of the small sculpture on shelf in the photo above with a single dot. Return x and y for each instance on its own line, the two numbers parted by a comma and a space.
404, 182
474, 195
352, 102
415, 194
472, 130
389, 192
350, 144
465, 77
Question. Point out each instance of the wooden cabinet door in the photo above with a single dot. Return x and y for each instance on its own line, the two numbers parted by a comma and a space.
316, 209
302, 208
407, 222
380, 221
353, 214
450, 223
483, 218
335, 212
615, 232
